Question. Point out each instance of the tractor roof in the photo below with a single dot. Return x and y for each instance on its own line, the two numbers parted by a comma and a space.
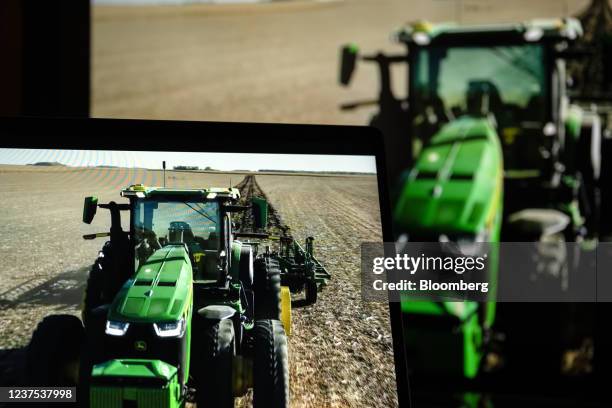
422, 33
142, 191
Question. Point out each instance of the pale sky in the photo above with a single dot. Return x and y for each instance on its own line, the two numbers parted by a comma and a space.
218, 161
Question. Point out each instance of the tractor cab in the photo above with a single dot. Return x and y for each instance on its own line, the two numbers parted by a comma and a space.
194, 219
514, 77
514, 74
158, 286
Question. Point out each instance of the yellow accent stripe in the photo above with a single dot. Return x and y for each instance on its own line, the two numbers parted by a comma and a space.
496, 198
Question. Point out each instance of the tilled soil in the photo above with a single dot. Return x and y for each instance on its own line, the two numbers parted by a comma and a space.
271, 62
249, 188
340, 348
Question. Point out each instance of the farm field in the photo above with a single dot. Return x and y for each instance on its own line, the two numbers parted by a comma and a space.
340, 348
272, 62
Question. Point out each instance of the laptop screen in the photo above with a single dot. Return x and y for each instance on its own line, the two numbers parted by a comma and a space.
147, 250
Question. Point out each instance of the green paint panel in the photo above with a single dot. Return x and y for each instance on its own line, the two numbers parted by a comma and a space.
455, 188
127, 368
160, 290
449, 343
261, 208
456, 182
112, 384
573, 121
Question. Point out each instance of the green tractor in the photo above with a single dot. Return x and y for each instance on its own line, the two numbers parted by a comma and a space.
453, 194
495, 150
178, 305
515, 76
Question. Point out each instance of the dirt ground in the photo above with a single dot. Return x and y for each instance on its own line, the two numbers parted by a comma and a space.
274, 62
340, 349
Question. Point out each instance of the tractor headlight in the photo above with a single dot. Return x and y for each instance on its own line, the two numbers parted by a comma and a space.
421, 38
474, 245
116, 328
170, 329
466, 245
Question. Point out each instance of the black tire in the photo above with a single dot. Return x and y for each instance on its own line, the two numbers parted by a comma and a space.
271, 365
54, 348
245, 267
588, 156
103, 279
246, 273
267, 287
94, 291
310, 290
215, 379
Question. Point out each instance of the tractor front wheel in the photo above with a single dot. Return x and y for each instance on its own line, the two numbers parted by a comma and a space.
94, 291
271, 365
54, 352
215, 385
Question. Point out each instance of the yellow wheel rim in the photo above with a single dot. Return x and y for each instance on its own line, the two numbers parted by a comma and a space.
286, 309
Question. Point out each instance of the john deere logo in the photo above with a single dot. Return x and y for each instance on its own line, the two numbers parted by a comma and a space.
140, 345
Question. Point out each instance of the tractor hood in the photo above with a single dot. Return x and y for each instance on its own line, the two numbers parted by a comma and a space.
160, 291
456, 184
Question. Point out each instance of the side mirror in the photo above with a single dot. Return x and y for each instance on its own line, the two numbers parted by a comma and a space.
260, 210
348, 60
90, 206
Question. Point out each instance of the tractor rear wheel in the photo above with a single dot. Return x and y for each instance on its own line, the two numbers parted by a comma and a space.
54, 352
267, 287
216, 381
246, 277
271, 365
245, 266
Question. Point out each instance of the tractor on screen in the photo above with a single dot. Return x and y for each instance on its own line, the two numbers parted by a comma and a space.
178, 309
496, 148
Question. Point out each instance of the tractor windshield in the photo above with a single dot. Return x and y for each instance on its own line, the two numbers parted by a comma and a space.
508, 82
159, 222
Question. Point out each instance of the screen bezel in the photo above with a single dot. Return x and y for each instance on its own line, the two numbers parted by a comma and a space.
219, 137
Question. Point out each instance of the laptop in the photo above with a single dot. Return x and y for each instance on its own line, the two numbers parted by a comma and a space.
194, 262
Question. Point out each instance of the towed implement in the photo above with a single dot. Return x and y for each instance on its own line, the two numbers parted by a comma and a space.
300, 271
179, 308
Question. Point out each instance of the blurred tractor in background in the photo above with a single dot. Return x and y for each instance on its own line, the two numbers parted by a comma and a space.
489, 147
515, 77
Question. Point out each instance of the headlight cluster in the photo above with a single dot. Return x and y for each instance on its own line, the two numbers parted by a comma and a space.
116, 328
171, 329
466, 245
166, 329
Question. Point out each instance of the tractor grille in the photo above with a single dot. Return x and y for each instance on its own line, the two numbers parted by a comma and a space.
118, 397
141, 342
